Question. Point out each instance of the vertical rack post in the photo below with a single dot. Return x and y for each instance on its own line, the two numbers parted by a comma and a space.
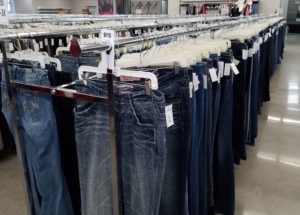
109, 59
15, 126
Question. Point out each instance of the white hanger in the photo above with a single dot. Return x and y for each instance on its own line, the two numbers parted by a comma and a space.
120, 72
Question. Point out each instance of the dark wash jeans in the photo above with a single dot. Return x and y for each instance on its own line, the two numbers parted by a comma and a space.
142, 151
63, 108
48, 192
175, 87
197, 165
224, 192
239, 93
71, 64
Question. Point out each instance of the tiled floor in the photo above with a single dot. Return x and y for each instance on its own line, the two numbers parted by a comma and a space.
268, 183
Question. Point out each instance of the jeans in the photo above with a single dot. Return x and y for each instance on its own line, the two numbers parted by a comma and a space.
37, 127
63, 108
141, 142
239, 88
175, 87
197, 167
71, 65
224, 193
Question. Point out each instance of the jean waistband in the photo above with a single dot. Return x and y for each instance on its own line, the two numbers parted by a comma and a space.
28, 75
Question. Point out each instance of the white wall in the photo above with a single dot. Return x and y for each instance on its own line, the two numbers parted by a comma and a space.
173, 7
51, 4
268, 6
78, 5
23, 6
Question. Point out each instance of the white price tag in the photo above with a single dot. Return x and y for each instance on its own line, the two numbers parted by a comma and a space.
261, 40
235, 61
169, 116
41, 45
221, 68
11, 47
196, 82
213, 74
245, 54
250, 53
109, 59
227, 69
234, 69
191, 86
46, 42
205, 81
3, 12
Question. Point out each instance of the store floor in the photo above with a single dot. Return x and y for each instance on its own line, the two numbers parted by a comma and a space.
268, 183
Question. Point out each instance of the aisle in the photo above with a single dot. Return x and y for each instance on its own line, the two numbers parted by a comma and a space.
269, 182
12, 199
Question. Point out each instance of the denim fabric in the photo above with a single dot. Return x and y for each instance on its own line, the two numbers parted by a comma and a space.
239, 89
224, 191
71, 64
39, 143
175, 87
197, 167
141, 139
63, 108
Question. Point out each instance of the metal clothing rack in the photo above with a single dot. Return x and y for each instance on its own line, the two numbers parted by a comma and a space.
62, 91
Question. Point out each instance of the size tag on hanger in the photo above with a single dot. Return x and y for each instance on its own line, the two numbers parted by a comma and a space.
213, 74
235, 61
191, 86
205, 82
108, 36
46, 42
234, 69
221, 68
245, 54
169, 116
227, 69
196, 82
52, 42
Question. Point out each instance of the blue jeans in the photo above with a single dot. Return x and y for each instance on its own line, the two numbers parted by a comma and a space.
37, 127
197, 167
71, 64
175, 87
224, 192
141, 139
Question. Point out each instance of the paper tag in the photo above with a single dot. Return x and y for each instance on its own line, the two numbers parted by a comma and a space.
227, 69
235, 61
195, 82
205, 81
109, 59
52, 42
41, 45
11, 47
213, 74
4, 12
245, 54
250, 53
234, 69
46, 42
191, 86
221, 68
261, 40
169, 116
